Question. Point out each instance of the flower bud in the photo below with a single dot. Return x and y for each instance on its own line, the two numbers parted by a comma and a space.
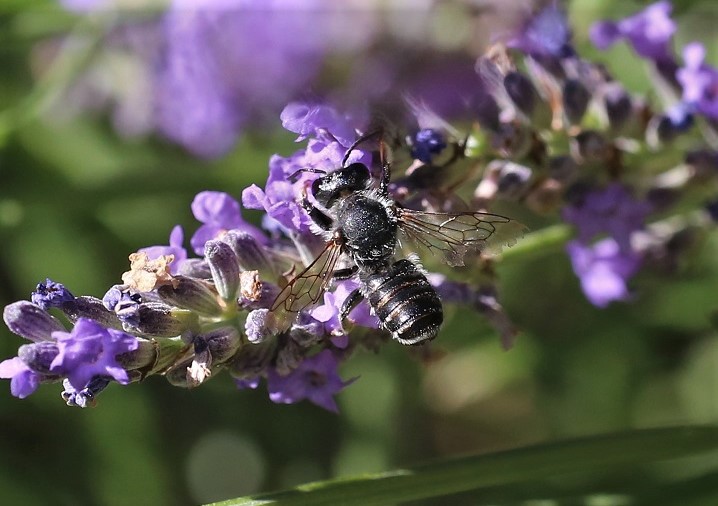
262, 324
161, 320
193, 294
575, 100
251, 256
51, 294
143, 357
521, 92
224, 266
39, 356
91, 307
177, 376
590, 147
30, 321
618, 104
252, 360
289, 356
223, 343
195, 268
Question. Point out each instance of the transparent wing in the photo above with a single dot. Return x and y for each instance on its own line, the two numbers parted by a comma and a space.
307, 287
453, 235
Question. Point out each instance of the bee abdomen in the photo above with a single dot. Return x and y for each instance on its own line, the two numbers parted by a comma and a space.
405, 303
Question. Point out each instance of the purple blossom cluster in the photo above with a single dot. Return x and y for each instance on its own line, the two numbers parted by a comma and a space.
548, 130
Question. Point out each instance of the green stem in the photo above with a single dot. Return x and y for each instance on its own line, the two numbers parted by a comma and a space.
606, 452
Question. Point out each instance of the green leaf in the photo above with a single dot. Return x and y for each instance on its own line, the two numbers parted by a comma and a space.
605, 452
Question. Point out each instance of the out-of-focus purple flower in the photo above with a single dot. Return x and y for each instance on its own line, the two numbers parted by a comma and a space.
545, 34
210, 80
23, 380
315, 379
175, 248
218, 212
51, 294
243, 384
318, 120
611, 210
603, 269
90, 350
427, 142
699, 81
649, 32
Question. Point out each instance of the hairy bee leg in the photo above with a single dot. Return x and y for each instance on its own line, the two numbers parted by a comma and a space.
342, 274
322, 220
352, 301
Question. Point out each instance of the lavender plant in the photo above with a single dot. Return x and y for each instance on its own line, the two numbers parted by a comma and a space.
531, 130
555, 133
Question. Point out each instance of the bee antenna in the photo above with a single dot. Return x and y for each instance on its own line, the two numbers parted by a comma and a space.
294, 175
360, 140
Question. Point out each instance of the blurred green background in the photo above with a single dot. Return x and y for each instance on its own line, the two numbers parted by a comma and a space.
76, 199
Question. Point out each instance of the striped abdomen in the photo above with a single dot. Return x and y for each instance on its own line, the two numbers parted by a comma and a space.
405, 303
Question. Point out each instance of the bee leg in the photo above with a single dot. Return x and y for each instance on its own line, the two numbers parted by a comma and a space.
322, 220
352, 301
342, 274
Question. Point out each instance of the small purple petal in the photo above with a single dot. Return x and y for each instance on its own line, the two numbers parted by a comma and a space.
603, 270
23, 380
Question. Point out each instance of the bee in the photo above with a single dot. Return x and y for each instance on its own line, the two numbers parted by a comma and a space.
362, 223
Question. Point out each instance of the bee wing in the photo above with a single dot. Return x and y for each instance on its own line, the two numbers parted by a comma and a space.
307, 287
453, 235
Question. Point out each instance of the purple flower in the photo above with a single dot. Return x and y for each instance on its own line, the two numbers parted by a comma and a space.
427, 142
649, 32
90, 350
243, 384
218, 212
699, 81
612, 211
280, 198
23, 380
51, 294
211, 79
328, 313
315, 379
319, 121
545, 34
86, 396
603, 269
175, 248
288, 183
125, 304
